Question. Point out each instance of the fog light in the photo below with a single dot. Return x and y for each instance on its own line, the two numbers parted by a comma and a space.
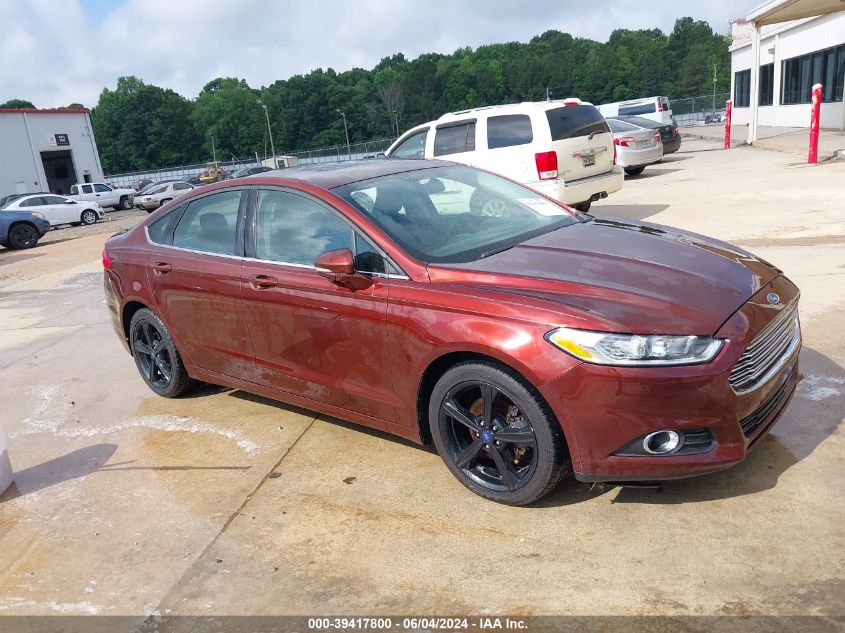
661, 442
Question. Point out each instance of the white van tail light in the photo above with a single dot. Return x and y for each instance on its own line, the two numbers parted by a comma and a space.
659, 105
657, 137
546, 165
624, 141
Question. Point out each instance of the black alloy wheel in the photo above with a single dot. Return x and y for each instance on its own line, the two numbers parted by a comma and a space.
156, 356
23, 236
496, 434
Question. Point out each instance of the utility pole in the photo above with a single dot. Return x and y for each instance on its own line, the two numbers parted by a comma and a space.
270, 132
346, 130
548, 98
396, 122
213, 151
714, 88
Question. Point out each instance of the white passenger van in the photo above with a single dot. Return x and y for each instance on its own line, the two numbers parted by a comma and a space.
654, 108
563, 149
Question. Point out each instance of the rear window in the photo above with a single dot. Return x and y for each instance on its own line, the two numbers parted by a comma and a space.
509, 130
638, 108
455, 138
621, 126
573, 121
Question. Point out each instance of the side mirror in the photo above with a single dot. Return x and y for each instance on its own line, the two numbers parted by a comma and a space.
339, 266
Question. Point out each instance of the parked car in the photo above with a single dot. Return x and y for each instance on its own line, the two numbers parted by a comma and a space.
161, 194
21, 229
250, 171
654, 108
670, 135
636, 147
562, 149
524, 343
143, 184
103, 195
58, 209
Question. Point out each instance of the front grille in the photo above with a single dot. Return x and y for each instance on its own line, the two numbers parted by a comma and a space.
750, 423
763, 356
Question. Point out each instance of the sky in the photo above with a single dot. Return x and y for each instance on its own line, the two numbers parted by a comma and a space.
57, 52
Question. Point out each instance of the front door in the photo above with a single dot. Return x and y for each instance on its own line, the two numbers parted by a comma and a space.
312, 337
195, 277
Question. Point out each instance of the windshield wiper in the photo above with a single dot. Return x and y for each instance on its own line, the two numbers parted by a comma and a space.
495, 251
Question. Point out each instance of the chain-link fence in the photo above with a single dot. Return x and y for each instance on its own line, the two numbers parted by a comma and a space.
355, 151
701, 110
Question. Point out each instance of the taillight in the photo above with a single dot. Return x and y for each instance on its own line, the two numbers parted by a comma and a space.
106, 260
676, 132
624, 140
659, 106
546, 165
657, 137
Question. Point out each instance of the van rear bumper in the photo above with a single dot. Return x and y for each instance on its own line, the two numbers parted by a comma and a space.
583, 189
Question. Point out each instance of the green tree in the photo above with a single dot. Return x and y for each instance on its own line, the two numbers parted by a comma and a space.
228, 110
15, 104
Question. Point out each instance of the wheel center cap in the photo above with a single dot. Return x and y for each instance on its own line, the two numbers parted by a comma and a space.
487, 436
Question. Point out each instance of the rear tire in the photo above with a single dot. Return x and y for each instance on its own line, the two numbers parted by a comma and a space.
495, 433
156, 357
634, 171
164, 202
23, 236
88, 217
125, 204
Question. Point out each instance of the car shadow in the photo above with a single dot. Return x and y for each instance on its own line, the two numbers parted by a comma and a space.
673, 158
814, 414
651, 172
82, 463
628, 211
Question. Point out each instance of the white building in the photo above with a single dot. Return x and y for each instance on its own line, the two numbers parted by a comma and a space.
46, 150
793, 52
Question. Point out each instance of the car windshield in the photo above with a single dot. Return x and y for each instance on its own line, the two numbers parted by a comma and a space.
455, 214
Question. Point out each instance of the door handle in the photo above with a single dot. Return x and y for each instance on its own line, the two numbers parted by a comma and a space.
263, 281
162, 268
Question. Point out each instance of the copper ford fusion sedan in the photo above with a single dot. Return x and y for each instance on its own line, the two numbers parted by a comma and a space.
443, 303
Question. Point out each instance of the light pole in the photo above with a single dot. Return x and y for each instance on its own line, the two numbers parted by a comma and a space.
270, 132
714, 89
346, 130
396, 121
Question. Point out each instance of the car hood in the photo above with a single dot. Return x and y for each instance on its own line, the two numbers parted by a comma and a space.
616, 275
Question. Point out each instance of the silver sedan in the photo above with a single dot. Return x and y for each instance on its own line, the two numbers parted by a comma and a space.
156, 195
635, 147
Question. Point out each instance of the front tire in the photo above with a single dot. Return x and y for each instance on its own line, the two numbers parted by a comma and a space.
634, 171
23, 236
88, 217
156, 356
495, 433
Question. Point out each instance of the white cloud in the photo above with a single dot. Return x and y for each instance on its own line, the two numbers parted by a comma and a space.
54, 53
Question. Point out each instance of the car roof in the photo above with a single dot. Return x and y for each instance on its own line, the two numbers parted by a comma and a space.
337, 174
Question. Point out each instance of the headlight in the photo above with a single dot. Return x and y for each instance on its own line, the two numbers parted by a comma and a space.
38, 215
603, 348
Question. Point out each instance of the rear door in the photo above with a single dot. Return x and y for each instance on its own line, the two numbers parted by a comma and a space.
194, 272
582, 140
313, 337
505, 141
64, 213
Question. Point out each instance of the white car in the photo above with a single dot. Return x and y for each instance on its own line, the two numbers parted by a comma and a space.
563, 149
58, 209
103, 194
159, 194
636, 146
655, 108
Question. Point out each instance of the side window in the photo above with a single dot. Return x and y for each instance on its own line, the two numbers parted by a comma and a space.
32, 202
74, 190
209, 224
160, 230
293, 229
639, 108
455, 138
368, 259
509, 130
101, 188
412, 147
181, 186
53, 200
87, 189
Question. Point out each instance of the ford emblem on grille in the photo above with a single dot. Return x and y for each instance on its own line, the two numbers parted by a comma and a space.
773, 298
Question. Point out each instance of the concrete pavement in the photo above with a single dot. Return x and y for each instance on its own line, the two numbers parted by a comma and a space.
223, 503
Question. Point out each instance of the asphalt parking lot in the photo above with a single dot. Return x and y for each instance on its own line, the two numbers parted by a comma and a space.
226, 503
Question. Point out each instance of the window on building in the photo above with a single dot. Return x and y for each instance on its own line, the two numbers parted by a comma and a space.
798, 74
767, 84
742, 88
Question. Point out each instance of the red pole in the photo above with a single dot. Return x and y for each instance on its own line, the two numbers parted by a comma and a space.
728, 110
813, 155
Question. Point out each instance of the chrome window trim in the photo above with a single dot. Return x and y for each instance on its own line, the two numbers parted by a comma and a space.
261, 261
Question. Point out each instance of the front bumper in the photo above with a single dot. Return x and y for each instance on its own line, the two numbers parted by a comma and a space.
603, 409
581, 190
